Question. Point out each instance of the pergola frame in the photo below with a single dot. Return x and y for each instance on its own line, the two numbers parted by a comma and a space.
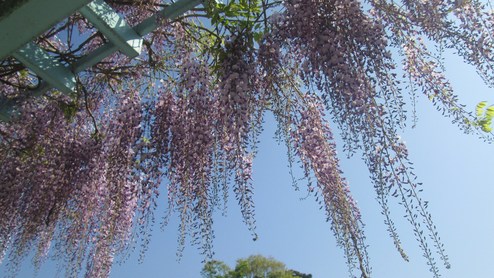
20, 27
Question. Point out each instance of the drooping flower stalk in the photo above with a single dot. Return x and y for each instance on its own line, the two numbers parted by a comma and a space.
313, 142
184, 131
362, 97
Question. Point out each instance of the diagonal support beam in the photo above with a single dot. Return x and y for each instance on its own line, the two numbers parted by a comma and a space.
171, 12
145, 27
55, 74
49, 68
113, 26
31, 19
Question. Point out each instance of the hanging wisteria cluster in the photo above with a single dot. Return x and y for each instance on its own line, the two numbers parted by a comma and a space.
80, 175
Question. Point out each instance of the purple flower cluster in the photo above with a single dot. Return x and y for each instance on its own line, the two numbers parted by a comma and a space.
184, 134
202, 134
313, 143
417, 25
240, 116
60, 177
135, 11
343, 52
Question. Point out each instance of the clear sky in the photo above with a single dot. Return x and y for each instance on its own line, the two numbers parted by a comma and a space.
457, 172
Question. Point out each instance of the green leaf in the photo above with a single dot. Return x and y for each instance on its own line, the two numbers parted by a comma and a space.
24, 73
69, 110
490, 112
486, 128
480, 108
258, 36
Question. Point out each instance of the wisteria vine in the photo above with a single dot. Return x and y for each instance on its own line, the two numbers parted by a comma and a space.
80, 175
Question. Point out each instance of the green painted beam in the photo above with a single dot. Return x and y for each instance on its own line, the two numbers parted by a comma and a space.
94, 57
30, 19
147, 26
171, 12
47, 67
7, 6
113, 26
143, 28
53, 72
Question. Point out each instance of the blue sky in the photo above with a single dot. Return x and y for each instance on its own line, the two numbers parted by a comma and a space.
456, 170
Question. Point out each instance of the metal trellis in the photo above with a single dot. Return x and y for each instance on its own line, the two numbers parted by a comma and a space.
20, 26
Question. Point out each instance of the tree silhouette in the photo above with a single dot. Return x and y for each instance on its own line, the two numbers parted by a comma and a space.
255, 266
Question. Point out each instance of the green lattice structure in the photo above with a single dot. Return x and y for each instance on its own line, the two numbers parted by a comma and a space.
22, 21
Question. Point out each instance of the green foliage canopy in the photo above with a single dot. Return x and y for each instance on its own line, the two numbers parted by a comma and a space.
254, 266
